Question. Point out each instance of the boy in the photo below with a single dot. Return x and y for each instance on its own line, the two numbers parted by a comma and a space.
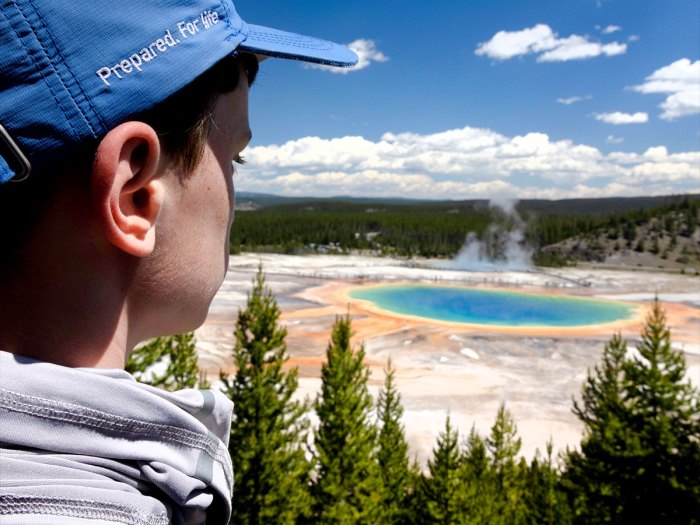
119, 125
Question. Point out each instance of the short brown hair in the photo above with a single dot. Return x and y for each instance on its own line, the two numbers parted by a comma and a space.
183, 121
183, 124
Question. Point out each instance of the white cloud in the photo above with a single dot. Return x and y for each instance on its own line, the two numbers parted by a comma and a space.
612, 139
572, 100
542, 40
508, 44
461, 164
580, 48
610, 29
366, 51
617, 117
681, 82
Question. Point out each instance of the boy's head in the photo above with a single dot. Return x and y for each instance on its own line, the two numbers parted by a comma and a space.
119, 128
73, 70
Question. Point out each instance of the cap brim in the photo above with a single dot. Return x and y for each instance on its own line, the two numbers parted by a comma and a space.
274, 43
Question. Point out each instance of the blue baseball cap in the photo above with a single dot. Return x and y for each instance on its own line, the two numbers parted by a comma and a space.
71, 70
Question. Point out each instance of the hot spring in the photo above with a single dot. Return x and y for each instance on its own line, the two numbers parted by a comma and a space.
493, 307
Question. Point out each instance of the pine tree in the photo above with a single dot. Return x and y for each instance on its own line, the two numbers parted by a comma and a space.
595, 475
348, 484
666, 418
393, 450
504, 446
414, 504
476, 458
271, 474
176, 355
640, 454
545, 500
442, 490
477, 481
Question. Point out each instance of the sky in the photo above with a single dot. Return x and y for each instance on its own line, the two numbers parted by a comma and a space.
465, 99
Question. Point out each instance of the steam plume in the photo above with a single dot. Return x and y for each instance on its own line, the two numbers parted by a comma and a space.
502, 246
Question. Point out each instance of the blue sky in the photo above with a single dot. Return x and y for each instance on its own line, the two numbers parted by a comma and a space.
481, 99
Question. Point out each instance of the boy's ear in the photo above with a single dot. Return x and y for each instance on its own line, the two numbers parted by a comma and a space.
126, 190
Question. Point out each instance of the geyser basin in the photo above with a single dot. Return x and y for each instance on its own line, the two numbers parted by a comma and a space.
492, 307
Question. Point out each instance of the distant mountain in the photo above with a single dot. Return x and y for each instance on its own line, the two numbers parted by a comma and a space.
265, 199
606, 205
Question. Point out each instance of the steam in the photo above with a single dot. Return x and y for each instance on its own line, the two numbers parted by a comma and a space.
503, 245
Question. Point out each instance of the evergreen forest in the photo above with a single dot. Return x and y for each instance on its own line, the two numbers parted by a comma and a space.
638, 460
439, 229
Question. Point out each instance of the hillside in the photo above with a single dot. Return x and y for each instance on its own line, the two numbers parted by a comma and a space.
666, 237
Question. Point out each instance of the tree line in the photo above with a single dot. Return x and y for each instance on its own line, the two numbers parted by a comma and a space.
638, 460
426, 230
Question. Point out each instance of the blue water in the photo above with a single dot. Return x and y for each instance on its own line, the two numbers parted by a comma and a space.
492, 307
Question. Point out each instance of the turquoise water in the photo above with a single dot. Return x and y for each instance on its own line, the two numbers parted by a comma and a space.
492, 307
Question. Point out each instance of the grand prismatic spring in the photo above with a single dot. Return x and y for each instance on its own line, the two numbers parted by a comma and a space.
492, 307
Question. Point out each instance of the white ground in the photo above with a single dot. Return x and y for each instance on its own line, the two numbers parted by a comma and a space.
465, 372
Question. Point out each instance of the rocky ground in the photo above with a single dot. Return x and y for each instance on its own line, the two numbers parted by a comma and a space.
465, 370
